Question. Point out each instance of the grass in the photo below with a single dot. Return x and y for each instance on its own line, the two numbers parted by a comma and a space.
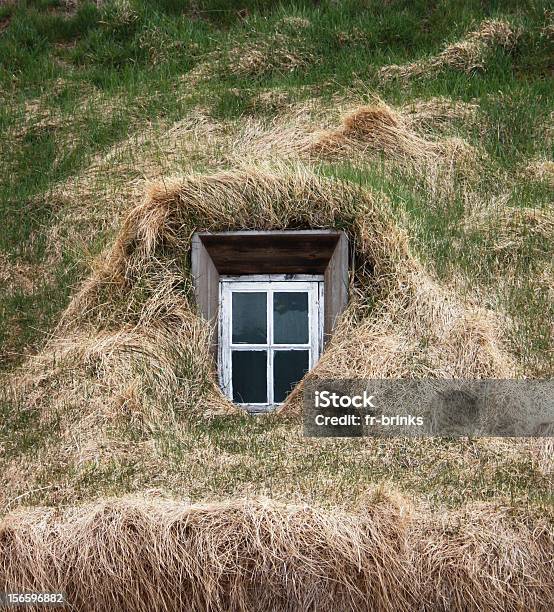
96, 98
226, 457
107, 387
118, 401
91, 75
242, 555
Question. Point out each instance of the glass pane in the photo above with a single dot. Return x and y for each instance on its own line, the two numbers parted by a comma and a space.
250, 318
249, 377
290, 318
288, 369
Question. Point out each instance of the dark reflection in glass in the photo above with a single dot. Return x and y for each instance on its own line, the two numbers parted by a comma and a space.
249, 318
288, 369
290, 317
249, 377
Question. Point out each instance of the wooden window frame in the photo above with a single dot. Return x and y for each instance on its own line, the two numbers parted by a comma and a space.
291, 254
269, 284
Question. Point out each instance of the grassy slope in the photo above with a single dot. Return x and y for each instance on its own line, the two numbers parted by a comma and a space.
75, 82
82, 81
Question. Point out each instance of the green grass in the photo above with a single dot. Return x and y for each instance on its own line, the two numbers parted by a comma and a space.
75, 82
233, 456
133, 53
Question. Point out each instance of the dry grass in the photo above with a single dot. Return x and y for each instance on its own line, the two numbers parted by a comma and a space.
18, 279
293, 24
480, 558
280, 52
266, 56
151, 553
509, 228
381, 130
541, 170
114, 181
134, 308
20, 276
107, 401
40, 116
131, 352
466, 55
439, 113
543, 449
419, 330
548, 29
271, 100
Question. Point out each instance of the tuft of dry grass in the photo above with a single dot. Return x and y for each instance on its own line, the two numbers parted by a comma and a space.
153, 553
20, 276
548, 29
144, 554
480, 558
271, 100
438, 112
280, 52
541, 170
294, 23
381, 130
274, 54
466, 55
509, 227
543, 448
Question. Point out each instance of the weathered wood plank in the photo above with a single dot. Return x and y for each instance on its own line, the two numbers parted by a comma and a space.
268, 253
206, 285
335, 286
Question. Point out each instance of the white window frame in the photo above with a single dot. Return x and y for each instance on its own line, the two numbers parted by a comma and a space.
311, 284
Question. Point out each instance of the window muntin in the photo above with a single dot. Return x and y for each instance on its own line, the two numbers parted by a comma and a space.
288, 339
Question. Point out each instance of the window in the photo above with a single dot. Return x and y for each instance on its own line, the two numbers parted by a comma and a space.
273, 298
271, 333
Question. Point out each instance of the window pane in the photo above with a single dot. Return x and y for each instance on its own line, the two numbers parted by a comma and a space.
288, 369
290, 318
250, 318
249, 377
